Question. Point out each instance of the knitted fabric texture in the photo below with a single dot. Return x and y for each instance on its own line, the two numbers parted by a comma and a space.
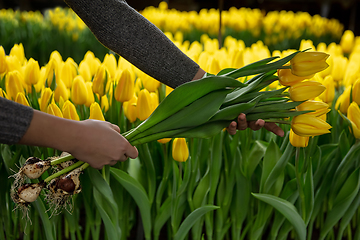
122, 29
14, 121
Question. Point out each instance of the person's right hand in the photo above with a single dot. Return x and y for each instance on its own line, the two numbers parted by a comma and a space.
100, 143
96, 142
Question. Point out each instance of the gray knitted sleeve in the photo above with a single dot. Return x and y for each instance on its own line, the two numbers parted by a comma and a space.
14, 121
122, 29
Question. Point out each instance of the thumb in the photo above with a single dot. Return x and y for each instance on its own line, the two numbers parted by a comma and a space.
115, 127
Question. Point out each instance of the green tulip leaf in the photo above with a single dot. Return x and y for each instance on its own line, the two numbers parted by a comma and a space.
191, 219
138, 193
287, 209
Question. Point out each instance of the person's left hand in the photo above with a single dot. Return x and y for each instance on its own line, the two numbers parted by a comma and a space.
243, 124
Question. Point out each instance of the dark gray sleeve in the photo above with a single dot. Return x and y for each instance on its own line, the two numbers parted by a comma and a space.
14, 121
122, 29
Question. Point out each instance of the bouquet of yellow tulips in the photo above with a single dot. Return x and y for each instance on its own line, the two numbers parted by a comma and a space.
202, 108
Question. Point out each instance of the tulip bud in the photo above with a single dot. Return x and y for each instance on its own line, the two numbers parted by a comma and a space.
318, 108
13, 84
84, 71
150, 83
164, 140
61, 91
90, 94
32, 72
124, 90
54, 110
3, 67
50, 71
298, 141
44, 100
104, 103
356, 91
69, 111
308, 63
339, 67
12, 63
130, 109
305, 90
329, 93
20, 98
353, 114
347, 41
95, 112
154, 101
286, 77
79, 90
18, 51
144, 106
343, 101
100, 80
308, 125
111, 65
180, 151
213, 66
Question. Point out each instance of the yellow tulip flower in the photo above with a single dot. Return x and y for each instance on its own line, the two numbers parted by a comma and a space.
84, 71
13, 84
356, 91
18, 51
308, 125
298, 141
51, 67
144, 104
347, 41
54, 110
32, 72
69, 111
318, 108
353, 114
20, 98
343, 101
111, 64
61, 91
12, 63
308, 63
104, 101
339, 67
305, 90
3, 65
329, 93
180, 151
150, 83
286, 78
124, 90
95, 112
79, 90
90, 94
164, 140
130, 110
44, 100
100, 80
68, 73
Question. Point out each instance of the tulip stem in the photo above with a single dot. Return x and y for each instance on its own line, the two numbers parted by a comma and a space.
61, 159
66, 170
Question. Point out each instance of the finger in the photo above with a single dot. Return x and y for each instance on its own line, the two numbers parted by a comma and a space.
115, 127
242, 123
256, 125
131, 152
272, 127
232, 128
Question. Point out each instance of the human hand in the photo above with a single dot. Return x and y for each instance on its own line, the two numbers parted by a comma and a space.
100, 143
242, 124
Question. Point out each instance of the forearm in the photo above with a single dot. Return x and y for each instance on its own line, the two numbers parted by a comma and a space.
46, 130
123, 30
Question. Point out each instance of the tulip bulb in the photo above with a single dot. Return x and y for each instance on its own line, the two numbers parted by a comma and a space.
34, 167
28, 192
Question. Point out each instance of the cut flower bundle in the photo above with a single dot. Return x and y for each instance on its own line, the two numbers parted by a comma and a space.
204, 107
